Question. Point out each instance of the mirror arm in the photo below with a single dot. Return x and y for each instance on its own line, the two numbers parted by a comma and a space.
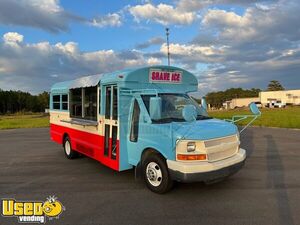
254, 110
245, 127
242, 117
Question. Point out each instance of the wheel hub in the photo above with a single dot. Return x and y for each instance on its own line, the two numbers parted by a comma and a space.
154, 174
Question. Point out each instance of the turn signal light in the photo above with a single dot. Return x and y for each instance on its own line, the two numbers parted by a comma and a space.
191, 157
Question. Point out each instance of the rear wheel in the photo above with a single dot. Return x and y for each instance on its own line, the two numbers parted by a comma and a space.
156, 174
70, 154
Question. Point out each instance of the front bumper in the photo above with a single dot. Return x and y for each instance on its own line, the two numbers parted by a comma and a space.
206, 171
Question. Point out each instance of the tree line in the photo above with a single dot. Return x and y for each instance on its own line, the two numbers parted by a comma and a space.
18, 101
216, 99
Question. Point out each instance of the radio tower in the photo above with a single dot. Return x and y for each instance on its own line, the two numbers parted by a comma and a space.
168, 45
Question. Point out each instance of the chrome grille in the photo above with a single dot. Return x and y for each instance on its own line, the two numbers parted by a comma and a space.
218, 141
214, 156
221, 148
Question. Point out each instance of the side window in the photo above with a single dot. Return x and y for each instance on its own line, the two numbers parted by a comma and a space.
76, 103
146, 100
134, 131
56, 101
64, 102
90, 103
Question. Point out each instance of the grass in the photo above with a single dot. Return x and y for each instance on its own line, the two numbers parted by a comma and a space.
24, 121
285, 118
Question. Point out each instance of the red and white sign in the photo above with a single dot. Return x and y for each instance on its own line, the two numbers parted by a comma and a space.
162, 76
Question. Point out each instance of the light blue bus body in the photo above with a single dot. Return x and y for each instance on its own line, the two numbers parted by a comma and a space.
219, 139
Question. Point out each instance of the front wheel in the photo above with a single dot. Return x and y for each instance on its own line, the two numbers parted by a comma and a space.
156, 174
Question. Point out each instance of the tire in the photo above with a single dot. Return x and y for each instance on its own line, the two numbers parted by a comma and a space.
156, 175
69, 153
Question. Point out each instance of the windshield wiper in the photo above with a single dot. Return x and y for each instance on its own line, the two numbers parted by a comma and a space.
169, 119
174, 119
201, 117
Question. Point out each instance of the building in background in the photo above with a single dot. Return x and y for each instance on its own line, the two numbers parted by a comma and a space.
279, 98
240, 102
271, 99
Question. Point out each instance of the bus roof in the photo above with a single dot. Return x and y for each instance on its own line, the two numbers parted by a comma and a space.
136, 78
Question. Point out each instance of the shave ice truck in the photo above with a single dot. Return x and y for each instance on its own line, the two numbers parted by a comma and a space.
144, 119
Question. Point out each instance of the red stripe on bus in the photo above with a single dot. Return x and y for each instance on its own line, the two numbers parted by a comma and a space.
91, 145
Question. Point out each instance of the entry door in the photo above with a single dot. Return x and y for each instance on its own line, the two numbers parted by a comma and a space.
111, 126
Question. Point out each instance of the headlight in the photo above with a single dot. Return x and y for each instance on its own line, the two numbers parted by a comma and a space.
191, 146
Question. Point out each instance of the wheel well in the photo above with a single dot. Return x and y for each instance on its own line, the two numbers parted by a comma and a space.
149, 151
146, 152
64, 137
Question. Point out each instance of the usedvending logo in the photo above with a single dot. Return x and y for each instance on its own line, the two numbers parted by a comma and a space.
32, 211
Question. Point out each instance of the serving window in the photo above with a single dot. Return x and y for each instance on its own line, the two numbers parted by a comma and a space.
76, 103
90, 103
83, 103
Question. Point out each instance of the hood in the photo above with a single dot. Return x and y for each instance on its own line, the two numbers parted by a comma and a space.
203, 129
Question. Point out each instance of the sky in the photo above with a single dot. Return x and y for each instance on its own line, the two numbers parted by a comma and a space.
225, 43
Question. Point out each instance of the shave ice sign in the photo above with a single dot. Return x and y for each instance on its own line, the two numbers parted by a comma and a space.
163, 76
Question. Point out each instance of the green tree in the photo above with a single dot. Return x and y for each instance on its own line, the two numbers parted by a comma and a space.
275, 85
18, 101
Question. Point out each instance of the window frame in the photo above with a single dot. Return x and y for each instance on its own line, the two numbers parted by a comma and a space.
108, 105
114, 103
94, 94
56, 102
83, 101
71, 103
64, 102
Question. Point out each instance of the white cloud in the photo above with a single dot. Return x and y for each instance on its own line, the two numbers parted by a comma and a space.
111, 20
162, 13
233, 71
192, 50
275, 23
42, 14
68, 48
51, 6
231, 25
35, 67
154, 61
195, 5
220, 18
13, 37
150, 42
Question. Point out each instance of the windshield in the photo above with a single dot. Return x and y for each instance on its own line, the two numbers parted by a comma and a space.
172, 106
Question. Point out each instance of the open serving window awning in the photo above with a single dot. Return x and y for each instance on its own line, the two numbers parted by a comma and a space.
88, 81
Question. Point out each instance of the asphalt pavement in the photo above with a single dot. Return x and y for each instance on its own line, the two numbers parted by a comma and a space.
266, 191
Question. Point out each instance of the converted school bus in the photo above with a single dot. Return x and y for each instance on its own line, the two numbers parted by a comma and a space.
143, 118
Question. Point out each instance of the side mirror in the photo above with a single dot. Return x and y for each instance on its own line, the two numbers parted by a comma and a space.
189, 113
203, 108
254, 109
155, 108
204, 104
